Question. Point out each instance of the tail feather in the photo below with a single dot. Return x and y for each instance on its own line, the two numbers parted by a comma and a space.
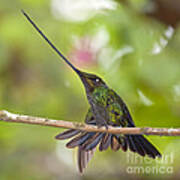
80, 159
139, 148
115, 143
79, 139
131, 144
105, 142
67, 134
84, 157
93, 141
149, 148
139, 144
123, 142
145, 147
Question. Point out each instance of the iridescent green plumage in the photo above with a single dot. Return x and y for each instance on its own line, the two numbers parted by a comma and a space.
112, 104
106, 108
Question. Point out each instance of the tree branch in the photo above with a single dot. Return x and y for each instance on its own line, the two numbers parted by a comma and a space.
10, 117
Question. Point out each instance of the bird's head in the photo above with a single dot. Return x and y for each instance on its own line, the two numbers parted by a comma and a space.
91, 81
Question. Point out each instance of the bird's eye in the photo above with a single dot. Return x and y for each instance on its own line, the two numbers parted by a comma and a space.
97, 80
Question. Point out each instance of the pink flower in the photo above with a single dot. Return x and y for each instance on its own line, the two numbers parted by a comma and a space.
86, 49
84, 54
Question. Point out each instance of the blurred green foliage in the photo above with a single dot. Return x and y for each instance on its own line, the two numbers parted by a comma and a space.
34, 81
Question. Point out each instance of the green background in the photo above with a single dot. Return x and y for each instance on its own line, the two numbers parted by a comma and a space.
34, 81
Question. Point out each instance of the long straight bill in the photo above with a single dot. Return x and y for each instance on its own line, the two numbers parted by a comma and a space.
49, 42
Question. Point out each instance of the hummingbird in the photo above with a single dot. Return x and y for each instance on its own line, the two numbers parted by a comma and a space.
106, 109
